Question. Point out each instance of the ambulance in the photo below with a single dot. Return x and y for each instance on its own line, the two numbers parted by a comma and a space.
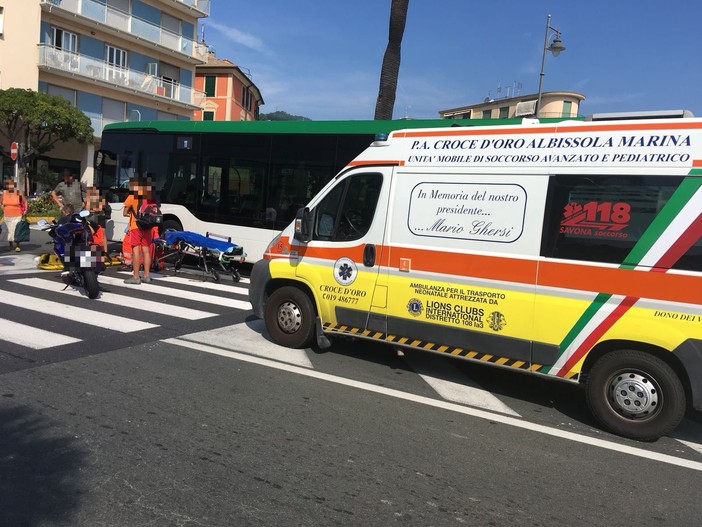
570, 250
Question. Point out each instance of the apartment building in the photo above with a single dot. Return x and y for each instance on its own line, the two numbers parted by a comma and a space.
116, 60
553, 104
230, 94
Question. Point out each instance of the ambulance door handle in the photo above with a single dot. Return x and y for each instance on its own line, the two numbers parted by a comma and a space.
369, 255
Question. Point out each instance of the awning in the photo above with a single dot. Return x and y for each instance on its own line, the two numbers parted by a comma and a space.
525, 108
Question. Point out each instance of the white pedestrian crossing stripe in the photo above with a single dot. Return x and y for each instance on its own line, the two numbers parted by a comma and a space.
89, 316
249, 337
31, 337
195, 282
179, 293
452, 385
107, 297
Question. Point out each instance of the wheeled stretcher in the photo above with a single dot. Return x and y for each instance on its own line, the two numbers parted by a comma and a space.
213, 254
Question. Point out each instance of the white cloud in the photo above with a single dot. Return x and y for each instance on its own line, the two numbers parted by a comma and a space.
236, 36
348, 96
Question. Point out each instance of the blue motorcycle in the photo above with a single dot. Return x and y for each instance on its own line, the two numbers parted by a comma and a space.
82, 260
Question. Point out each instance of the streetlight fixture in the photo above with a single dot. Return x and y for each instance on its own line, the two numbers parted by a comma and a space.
555, 48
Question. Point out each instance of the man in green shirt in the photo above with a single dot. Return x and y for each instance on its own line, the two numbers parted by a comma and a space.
70, 192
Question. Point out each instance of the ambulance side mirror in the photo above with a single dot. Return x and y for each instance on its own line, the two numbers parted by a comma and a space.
303, 225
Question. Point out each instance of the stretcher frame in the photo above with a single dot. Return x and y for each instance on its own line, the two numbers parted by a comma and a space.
215, 254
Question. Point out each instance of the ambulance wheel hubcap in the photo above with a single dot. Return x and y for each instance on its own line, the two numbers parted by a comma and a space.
289, 317
634, 394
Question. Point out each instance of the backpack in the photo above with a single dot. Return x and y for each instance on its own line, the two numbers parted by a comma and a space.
148, 215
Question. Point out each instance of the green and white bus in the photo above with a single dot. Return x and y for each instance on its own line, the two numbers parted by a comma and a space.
243, 179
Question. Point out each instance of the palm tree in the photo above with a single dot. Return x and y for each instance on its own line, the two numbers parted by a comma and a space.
391, 60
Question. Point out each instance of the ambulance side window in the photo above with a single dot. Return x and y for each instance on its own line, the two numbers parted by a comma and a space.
601, 218
347, 211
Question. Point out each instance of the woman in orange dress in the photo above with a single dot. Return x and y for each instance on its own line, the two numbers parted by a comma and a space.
13, 204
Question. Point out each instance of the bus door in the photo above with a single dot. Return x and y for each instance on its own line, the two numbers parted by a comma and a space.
232, 191
342, 259
211, 205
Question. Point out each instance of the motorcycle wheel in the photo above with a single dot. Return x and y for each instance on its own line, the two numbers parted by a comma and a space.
90, 282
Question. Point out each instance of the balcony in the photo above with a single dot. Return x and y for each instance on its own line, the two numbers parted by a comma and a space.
202, 7
117, 22
87, 68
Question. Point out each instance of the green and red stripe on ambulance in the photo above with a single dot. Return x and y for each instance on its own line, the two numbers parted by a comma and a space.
673, 231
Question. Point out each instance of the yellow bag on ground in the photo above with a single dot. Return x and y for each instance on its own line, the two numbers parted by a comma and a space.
49, 262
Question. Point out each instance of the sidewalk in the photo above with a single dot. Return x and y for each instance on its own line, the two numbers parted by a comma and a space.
24, 261
39, 243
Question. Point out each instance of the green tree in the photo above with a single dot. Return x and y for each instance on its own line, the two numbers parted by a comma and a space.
281, 116
38, 121
391, 60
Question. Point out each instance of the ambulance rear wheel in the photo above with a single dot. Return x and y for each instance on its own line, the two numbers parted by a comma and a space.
635, 395
289, 317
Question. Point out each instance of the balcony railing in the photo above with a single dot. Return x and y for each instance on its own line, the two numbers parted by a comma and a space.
75, 64
118, 20
203, 6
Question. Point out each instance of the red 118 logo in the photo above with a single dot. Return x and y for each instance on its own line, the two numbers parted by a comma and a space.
604, 216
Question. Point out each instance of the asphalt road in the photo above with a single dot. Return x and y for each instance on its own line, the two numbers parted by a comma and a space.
163, 435
205, 422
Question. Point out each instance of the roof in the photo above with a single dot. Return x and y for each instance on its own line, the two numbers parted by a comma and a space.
514, 100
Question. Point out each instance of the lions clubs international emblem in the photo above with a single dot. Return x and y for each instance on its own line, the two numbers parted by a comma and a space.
345, 271
414, 307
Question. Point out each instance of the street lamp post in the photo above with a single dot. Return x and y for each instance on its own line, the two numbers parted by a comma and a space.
555, 48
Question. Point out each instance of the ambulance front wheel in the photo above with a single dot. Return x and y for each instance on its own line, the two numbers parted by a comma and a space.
289, 317
635, 395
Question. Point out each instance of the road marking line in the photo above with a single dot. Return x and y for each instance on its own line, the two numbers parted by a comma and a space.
80, 315
114, 299
179, 293
195, 282
444, 405
31, 337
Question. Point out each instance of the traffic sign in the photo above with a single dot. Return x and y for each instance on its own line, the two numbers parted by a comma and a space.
13, 150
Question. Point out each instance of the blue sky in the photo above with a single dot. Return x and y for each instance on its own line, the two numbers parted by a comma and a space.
322, 58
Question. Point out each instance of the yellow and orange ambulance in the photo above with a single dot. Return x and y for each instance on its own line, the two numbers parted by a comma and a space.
568, 250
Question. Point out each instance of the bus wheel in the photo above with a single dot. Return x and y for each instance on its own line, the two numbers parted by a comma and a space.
171, 224
289, 317
635, 395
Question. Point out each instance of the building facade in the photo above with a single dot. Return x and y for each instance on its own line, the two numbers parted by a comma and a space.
115, 60
229, 93
553, 104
